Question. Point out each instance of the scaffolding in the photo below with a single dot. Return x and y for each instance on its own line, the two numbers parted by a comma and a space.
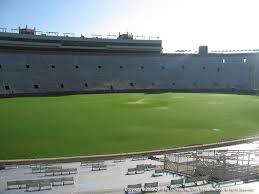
219, 165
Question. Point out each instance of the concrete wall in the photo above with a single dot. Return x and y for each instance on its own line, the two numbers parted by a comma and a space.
81, 72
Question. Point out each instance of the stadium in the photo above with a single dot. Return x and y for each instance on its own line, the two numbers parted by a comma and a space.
118, 114
128, 80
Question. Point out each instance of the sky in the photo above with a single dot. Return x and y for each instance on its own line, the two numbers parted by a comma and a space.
180, 24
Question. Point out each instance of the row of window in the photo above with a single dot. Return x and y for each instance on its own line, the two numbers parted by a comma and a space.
77, 67
121, 67
36, 86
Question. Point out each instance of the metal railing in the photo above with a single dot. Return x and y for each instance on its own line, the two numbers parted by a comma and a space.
69, 34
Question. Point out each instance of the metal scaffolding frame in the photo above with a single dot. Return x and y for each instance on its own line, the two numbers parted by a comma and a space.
219, 165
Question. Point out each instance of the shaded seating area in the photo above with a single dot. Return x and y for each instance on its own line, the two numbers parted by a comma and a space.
39, 184
98, 167
62, 171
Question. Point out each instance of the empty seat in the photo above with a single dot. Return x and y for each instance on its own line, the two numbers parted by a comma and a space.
119, 160
90, 163
133, 188
97, 167
150, 187
54, 172
158, 172
175, 183
39, 184
137, 158
140, 169
131, 171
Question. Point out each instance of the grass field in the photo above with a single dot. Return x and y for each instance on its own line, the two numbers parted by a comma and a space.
109, 123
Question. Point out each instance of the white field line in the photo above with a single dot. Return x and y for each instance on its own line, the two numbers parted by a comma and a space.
140, 101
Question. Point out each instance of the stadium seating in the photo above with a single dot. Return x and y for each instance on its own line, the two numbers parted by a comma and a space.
188, 181
39, 184
140, 169
90, 163
131, 171
196, 180
133, 188
55, 172
175, 183
149, 167
137, 158
40, 165
150, 187
98, 167
119, 160
158, 172
44, 169
185, 77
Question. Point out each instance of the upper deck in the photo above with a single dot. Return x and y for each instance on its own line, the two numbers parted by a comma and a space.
51, 41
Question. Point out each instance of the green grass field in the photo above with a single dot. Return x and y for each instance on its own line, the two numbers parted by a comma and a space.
34, 127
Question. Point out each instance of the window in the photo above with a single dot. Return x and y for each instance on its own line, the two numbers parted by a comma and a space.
244, 60
36, 86
121, 67
27, 66
131, 84
86, 85
77, 66
62, 85
182, 66
218, 69
223, 61
7, 87
53, 66
141, 67
203, 67
99, 66
173, 84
